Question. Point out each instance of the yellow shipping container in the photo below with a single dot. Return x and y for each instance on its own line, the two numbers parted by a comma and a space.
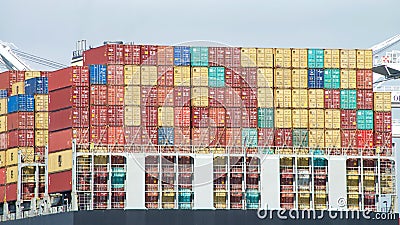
316, 98
132, 116
41, 137
60, 161
12, 174
131, 75
332, 58
332, 139
2, 158
316, 138
3, 123
265, 97
299, 78
382, 101
31, 74
200, 96
265, 57
332, 118
265, 77
12, 156
283, 98
3, 106
166, 116
283, 78
148, 75
41, 103
316, 118
182, 76
283, 57
248, 57
42, 120
364, 59
200, 76
299, 58
300, 118
348, 79
283, 118
132, 95
300, 98
18, 88
348, 59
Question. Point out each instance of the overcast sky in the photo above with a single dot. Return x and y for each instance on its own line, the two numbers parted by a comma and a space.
50, 28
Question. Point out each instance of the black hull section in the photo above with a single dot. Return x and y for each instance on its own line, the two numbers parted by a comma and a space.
199, 217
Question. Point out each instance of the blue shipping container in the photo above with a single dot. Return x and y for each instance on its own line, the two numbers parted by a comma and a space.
181, 56
98, 74
316, 78
37, 85
315, 58
166, 136
20, 103
249, 137
3, 93
216, 77
199, 56
365, 119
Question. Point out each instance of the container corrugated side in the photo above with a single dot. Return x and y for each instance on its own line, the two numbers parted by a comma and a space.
348, 58
332, 138
41, 138
199, 56
283, 57
31, 74
282, 78
316, 138
283, 118
364, 59
148, 75
199, 76
12, 174
382, 101
41, 103
299, 58
332, 119
299, 98
299, 78
166, 116
332, 58
3, 106
18, 88
248, 57
316, 118
283, 98
199, 96
316, 98
60, 182
3, 123
182, 76
265, 57
41, 120
300, 118
265, 97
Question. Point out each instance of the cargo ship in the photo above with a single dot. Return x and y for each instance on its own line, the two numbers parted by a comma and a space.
214, 134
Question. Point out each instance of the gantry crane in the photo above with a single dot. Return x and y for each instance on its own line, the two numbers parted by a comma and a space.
388, 67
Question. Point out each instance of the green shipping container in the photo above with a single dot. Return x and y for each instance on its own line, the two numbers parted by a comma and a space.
365, 120
265, 117
118, 175
300, 138
249, 137
216, 77
348, 99
199, 56
332, 78
315, 58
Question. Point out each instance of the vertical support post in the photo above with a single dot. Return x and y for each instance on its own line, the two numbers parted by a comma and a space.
74, 199
19, 182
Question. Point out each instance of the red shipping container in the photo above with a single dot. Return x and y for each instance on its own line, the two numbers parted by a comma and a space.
217, 117
116, 135
148, 55
383, 140
200, 137
364, 79
216, 56
67, 77
348, 119
265, 137
182, 96
233, 117
200, 117
45, 73
332, 99
232, 57
133, 135
249, 117
149, 135
99, 134
67, 97
217, 136
349, 138
216, 97
182, 135
115, 115
115, 95
383, 121
106, 54
98, 95
365, 99
11, 192
182, 117
249, 97
283, 137
149, 116
233, 97
3, 140
165, 76
61, 140
98, 115
233, 137
66, 118
20, 120
149, 96
365, 138
115, 74
165, 55
21, 138
60, 182
132, 54
249, 77
2, 177
8, 78
165, 96
232, 77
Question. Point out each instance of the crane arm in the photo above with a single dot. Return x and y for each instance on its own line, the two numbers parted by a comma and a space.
11, 61
376, 49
